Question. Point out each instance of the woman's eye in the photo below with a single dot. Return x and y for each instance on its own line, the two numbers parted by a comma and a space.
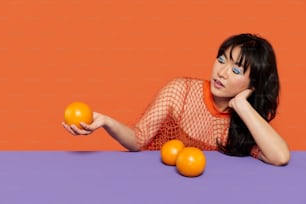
236, 70
221, 60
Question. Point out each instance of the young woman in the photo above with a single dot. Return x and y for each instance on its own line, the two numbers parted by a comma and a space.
229, 113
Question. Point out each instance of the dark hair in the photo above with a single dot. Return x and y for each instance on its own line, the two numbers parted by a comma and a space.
257, 54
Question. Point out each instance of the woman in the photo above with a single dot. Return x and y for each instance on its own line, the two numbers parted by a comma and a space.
229, 113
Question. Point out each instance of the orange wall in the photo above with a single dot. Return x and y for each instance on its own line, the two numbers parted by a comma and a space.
116, 54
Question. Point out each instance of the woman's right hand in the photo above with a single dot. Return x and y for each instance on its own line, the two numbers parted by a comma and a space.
98, 121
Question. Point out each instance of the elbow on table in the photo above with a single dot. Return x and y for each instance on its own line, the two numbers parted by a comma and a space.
134, 149
282, 159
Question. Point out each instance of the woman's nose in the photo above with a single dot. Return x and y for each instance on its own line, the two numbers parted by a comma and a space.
223, 72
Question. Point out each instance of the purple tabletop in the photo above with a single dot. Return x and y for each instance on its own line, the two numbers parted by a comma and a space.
140, 177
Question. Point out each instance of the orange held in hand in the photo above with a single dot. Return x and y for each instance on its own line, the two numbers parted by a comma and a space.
78, 112
191, 162
170, 150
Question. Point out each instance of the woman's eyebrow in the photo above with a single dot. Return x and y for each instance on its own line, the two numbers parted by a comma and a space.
224, 54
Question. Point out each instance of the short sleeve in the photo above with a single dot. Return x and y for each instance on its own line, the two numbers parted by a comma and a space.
169, 101
255, 151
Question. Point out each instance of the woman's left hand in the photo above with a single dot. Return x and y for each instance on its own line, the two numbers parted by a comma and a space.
242, 96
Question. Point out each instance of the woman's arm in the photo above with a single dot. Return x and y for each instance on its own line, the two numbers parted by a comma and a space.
120, 132
274, 149
168, 101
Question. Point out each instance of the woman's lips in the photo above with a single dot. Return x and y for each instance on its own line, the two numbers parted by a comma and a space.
218, 84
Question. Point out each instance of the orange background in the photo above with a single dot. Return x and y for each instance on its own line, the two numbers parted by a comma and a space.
116, 54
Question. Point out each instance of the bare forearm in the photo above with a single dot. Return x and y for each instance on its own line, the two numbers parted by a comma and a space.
274, 149
120, 132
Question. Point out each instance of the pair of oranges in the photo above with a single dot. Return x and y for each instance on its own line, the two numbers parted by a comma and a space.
189, 161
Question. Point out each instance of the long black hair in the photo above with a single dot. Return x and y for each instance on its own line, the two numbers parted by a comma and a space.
257, 54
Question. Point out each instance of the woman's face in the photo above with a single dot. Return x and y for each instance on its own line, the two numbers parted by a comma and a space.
228, 79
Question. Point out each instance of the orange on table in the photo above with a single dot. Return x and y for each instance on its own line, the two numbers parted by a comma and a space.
191, 162
77, 112
170, 150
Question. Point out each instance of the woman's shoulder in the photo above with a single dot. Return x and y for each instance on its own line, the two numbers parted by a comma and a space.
186, 80
185, 84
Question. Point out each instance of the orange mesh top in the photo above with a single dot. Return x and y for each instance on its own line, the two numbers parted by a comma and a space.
183, 110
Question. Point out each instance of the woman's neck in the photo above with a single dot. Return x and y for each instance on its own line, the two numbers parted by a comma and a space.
221, 104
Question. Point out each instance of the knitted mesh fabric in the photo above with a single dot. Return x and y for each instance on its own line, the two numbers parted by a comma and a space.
180, 111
